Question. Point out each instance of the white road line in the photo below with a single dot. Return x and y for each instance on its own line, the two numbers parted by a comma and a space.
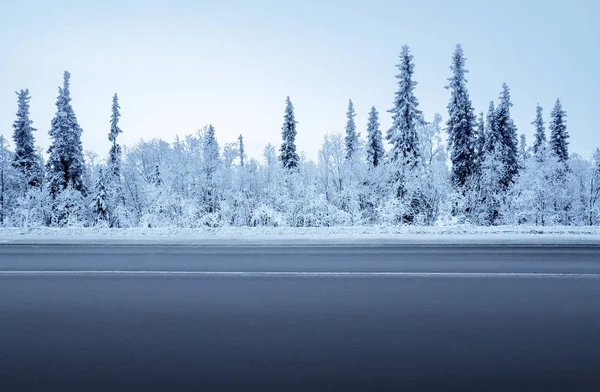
308, 274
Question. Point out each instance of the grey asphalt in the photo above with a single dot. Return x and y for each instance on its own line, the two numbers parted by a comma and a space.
218, 318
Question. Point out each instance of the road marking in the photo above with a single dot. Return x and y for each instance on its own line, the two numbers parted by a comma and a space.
307, 274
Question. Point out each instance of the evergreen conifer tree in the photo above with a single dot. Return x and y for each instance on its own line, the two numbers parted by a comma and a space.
114, 156
65, 161
351, 135
508, 133
405, 114
242, 151
540, 131
558, 132
26, 159
461, 122
375, 151
289, 156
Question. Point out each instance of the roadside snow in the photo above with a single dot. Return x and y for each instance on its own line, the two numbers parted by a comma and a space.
377, 235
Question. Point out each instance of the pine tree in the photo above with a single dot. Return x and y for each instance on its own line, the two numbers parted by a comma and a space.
114, 156
26, 159
65, 162
351, 135
289, 157
540, 131
461, 122
241, 150
100, 207
508, 133
405, 114
375, 151
558, 132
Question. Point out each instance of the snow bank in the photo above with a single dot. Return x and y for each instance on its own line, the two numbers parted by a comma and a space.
378, 235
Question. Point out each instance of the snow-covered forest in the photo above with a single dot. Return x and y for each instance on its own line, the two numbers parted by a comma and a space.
463, 166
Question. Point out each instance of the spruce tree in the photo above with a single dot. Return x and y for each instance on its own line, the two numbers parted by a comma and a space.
289, 156
523, 151
508, 133
405, 114
65, 161
26, 159
492, 136
242, 151
540, 131
114, 156
211, 164
100, 207
375, 151
461, 122
480, 143
351, 135
558, 132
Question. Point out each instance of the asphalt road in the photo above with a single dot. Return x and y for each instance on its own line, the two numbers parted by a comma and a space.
111, 318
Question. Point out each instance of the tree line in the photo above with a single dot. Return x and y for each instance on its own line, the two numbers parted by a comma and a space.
485, 173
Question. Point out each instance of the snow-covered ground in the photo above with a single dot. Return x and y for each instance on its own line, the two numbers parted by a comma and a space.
318, 236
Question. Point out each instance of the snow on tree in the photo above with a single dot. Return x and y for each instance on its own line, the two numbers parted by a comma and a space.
375, 151
558, 132
242, 152
65, 161
594, 195
26, 159
7, 181
405, 114
461, 122
114, 156
523, 151
100, 208
211, 165
480, 143
351, 138
289, 157
508, 132
68, 208
540, 131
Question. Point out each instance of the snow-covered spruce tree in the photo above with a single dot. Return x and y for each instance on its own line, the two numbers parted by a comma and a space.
405, 114
114, 156
65, 156
351, 138
114, 185
480, 144
558, 132
242, 151
289, 157
540, 131
523, 151
211, 165
100, 202
404, 156
26, 159
375, 151
461, 122
508, 132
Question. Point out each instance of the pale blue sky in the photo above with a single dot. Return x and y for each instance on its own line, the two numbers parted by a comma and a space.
178, 65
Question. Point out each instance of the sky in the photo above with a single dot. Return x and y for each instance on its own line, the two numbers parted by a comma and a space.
178, 65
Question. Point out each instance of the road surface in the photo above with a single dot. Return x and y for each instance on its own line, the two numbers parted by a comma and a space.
107, 318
